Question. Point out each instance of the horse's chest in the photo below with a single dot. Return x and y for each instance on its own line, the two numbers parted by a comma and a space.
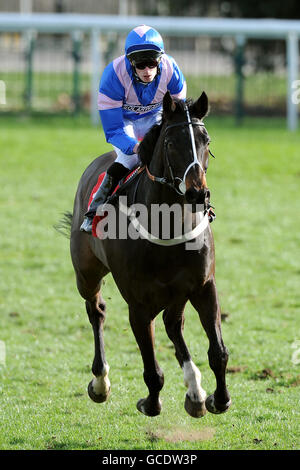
165, 286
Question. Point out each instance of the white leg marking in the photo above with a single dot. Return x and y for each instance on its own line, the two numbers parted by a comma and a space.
101, 384
192, 380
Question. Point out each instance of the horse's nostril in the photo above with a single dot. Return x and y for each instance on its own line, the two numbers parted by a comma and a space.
191, 195
199, 196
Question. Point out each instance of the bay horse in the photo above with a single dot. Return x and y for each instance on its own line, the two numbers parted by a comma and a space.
153, 277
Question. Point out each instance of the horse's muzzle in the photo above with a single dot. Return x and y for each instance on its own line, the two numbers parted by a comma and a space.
194, 196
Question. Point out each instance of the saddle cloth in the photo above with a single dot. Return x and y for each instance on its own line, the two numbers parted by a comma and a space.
97, 218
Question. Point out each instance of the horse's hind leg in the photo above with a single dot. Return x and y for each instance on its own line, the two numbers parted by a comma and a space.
143, 328
207, 305
195, 397
89, 272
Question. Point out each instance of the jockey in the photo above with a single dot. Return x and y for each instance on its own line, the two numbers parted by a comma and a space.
130, 98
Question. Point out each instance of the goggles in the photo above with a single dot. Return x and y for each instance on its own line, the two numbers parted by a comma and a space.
151, 64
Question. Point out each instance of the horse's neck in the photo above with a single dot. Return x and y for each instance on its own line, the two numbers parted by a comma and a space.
162, 205
157, 163
157, 193
164, 214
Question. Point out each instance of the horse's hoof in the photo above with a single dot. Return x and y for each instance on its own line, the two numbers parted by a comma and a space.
93, 396
212, 407
194, 409
143, 406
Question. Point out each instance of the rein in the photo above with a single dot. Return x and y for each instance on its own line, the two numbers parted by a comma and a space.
163, 180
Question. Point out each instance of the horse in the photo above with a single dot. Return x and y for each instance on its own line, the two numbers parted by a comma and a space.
155, 277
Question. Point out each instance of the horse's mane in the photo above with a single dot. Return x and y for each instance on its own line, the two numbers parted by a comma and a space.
146, 148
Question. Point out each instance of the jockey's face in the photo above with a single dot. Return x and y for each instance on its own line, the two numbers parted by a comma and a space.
146, 74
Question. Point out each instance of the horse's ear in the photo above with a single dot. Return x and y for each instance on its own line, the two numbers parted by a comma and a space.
169, 105
200, 107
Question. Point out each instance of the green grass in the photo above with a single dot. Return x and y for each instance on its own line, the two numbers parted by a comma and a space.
254, 183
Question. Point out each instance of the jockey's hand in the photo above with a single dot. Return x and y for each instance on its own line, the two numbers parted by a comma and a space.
135, 148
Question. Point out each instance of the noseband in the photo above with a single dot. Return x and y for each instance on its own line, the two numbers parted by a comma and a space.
163, 180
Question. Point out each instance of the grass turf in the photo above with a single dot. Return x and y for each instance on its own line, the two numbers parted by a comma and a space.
48, 340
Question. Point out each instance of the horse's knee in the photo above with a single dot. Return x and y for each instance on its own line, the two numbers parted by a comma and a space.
102, 306
96, 311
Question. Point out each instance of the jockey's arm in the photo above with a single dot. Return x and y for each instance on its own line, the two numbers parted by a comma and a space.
177, 84
113, 126
110, 102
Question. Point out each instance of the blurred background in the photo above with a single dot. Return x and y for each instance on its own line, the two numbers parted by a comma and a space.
51, 72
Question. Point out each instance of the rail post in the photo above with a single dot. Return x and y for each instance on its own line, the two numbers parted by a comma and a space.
96, 55
239, 61
76, 53
29, 39
292, 66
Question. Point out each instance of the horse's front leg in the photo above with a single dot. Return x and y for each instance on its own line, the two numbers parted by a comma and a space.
143, 328
195, 397
206, 303
99, 387
89, 273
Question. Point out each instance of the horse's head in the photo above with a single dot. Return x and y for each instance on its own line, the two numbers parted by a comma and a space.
186, 143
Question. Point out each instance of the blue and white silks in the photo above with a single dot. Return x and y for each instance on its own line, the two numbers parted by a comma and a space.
128, 108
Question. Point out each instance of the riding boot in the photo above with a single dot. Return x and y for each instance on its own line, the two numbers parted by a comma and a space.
100, 197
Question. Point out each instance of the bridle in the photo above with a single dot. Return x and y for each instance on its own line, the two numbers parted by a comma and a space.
175, 179
207, 215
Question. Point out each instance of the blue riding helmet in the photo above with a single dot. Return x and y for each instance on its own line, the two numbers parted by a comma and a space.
143, 42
